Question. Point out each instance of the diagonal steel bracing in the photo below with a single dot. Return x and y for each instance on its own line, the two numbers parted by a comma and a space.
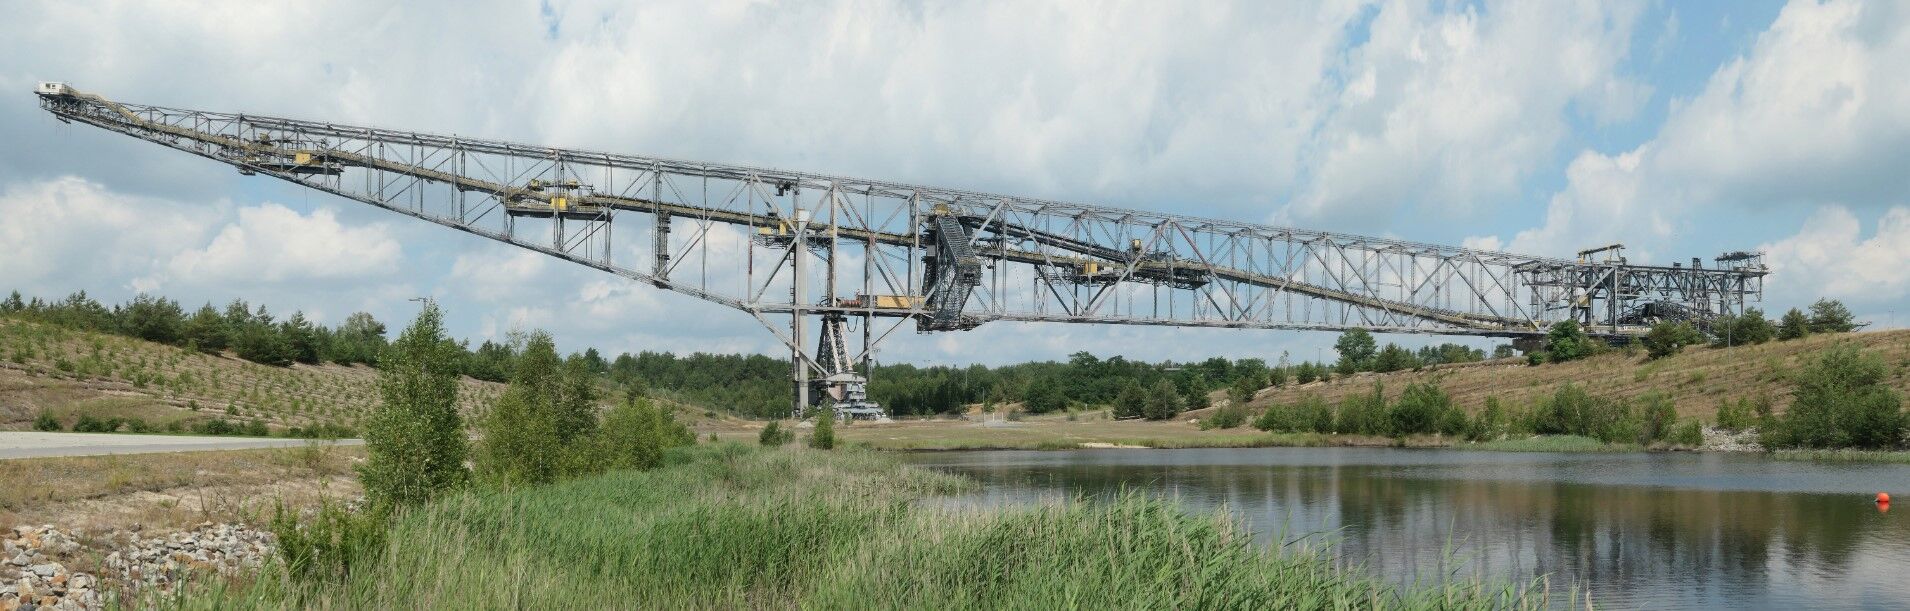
763, 239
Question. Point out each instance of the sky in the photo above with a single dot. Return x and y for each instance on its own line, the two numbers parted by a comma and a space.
1680, 129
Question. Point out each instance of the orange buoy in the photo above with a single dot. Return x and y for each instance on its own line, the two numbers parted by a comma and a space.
1883, 498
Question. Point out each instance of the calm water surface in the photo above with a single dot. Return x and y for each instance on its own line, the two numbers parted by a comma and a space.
1668, 530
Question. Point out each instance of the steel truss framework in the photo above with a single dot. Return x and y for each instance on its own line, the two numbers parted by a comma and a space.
763, 240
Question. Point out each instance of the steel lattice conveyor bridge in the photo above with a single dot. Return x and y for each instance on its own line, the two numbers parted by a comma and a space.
773, 243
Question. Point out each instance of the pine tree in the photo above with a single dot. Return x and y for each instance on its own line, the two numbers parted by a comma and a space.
1163, 403
1830, 316
206, 331
414, 439
302, 338
1131, 401
1793, 326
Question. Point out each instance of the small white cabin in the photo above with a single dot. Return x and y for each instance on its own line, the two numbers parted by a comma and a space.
52, 88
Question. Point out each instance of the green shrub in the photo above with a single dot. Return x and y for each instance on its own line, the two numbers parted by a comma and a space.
634, 435
216, 426
1418, 410
1364, 414
1227, 417
1453, 423
88, 424
1572, 411
824, 437
1491, 423
328, 548
1275, 419
1735, 415
1667, 338
45, 421
1840, 401
1688, 433
1566, 341
775, 435
1659, 416
1743, 329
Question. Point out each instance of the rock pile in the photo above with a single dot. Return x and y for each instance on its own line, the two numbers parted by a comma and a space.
34, 566
1721, 440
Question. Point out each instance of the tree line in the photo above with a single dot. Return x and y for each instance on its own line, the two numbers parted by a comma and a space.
248, 332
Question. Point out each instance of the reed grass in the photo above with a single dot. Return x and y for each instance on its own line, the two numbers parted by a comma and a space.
731, 526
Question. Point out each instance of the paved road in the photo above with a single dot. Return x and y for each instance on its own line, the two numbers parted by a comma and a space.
25, 444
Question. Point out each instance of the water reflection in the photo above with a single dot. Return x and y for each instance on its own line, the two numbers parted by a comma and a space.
1636, 530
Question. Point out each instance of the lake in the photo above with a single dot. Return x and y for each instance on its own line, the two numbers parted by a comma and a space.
1657, 530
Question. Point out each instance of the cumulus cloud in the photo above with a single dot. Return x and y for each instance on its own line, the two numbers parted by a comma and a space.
1830, 256
497, 274
273, 243
57, 230
1810, 114
1456, 110
1352, 112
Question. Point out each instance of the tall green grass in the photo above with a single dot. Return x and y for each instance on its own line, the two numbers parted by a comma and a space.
732, 526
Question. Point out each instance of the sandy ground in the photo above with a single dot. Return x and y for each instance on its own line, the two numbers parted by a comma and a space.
19, 444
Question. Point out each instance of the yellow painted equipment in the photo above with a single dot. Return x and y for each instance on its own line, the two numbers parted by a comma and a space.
304, 158
1091, 268
560, 204
780, 229
896, 302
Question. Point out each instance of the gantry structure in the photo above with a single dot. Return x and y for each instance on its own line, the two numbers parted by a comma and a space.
805, 253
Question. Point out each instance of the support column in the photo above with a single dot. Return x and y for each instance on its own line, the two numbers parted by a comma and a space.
798, 295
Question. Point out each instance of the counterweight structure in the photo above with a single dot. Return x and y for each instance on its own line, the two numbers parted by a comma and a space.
813, 247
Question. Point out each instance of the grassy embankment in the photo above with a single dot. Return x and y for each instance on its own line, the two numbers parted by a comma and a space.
731, 526
1694, 381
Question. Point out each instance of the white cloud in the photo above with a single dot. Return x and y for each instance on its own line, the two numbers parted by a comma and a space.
1813, 113
53, 232
1819, 111
1605, 204
495, 274
272, 243
1830, 257
1457, 110
1214, 108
